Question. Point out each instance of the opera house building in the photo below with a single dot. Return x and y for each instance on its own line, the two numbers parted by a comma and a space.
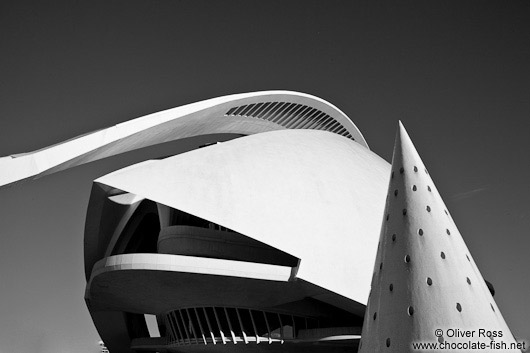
288, 236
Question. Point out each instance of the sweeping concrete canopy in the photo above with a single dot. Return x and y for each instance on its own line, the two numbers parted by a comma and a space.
311, 194
244, 114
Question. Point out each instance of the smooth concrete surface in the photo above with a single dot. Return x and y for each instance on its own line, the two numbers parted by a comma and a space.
312, 194
204, 242
201, 118
157, 283
115, 335
424, 276
192, 264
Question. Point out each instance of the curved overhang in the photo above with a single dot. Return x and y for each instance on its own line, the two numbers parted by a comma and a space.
158, 283
311, 194
244, 114
126, 282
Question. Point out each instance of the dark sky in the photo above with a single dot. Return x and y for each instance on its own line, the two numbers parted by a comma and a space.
457, 74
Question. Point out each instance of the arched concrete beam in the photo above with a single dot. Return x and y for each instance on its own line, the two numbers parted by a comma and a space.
217, 115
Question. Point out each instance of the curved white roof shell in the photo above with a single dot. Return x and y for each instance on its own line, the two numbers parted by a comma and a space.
245, 114
313, 194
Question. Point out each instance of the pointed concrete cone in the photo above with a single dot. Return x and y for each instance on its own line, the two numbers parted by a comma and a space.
424, 277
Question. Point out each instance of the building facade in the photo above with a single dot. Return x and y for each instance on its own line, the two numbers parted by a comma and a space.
266, 241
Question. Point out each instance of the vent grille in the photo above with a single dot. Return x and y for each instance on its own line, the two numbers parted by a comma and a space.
291, 116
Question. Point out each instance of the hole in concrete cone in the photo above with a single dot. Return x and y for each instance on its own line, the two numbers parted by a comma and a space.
429, 281
381, 266
442, 254
428, 188
415, 169
395, 192
393, 237
468, 258
492, 308
426, 172
410, 310
420, 231
392, 175
447, 213
388, 342
468, 280
448, 232
375, 315
458, 307
404, 211
407, 259
391, 287
401, 170
428, 208
387, 217
414, 188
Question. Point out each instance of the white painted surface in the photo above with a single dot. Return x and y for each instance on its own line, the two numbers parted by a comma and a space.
205, 117
191, 264
313, 194
430, 290
152, 325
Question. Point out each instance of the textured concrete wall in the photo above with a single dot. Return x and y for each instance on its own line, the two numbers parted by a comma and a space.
424, 276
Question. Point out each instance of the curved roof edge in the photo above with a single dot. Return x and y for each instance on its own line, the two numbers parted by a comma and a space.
244, 113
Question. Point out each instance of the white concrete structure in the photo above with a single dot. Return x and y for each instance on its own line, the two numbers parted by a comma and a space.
306, 200
245, 114
426, 289
266, 217
264, 242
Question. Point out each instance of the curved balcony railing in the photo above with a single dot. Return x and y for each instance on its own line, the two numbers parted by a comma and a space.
204, 242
